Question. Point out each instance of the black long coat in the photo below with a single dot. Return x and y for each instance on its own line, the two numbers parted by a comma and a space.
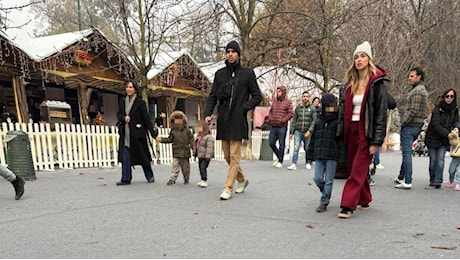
139, 126
441, 123
238, 92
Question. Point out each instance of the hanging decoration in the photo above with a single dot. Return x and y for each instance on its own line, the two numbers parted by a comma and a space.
171, 75
82, 58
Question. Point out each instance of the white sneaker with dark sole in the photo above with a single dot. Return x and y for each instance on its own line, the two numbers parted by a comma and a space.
242, 186
404, 186
226, 194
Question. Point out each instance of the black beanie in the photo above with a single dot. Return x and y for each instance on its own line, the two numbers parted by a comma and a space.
235, 46
327, 99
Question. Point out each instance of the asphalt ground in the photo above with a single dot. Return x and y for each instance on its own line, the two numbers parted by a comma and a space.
81, 213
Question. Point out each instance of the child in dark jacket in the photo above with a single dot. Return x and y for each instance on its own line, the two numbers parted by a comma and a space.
182, 144
324, 148
204, 150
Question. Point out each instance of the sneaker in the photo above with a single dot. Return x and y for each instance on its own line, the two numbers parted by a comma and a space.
308, 166
242, 186
199, 183
121, 183
18, 185
404, 186
275, 162
371, 182
186, 182
278, 165
151, 180
292, 167
345, 213
366, 206
203, 184
226, 194
457, 187
379, 166
321, 208
171, 182
449, 184
437, 185
431, 184
398, 181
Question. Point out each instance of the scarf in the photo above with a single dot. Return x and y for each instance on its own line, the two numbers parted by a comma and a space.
448, 107
128, 105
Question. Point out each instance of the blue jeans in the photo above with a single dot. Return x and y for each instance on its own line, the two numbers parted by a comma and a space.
324, 178
278, 134
299, 137
377, 157
408, 136
126, 170
436, 167
454, 170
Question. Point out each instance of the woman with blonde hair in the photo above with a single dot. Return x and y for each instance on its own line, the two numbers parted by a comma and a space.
365, 117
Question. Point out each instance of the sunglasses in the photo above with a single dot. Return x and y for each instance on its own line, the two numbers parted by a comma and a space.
449, 96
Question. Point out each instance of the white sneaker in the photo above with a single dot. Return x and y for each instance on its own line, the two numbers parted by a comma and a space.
292, 167
278, 165
398, 181
308, 166
203, 184
199, 183
379, 166
226, 194
242, 186
403, 186
275, 162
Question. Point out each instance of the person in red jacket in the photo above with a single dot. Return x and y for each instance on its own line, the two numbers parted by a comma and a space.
364, 118
280, 114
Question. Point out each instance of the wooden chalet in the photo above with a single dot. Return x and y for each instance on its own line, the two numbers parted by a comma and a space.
176, 82
81, 68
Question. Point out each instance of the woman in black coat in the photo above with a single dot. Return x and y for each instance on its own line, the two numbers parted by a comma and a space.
133, 127
443, 120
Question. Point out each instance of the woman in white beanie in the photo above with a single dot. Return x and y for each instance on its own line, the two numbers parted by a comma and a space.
364, 121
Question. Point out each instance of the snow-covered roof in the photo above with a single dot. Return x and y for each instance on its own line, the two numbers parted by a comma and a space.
43, 47
210, 68
164, 60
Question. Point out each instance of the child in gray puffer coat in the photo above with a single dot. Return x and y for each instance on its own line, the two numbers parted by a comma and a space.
204, 150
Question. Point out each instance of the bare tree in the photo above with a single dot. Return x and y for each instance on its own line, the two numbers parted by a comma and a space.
5, 11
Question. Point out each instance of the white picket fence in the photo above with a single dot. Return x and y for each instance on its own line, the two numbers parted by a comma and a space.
70, 146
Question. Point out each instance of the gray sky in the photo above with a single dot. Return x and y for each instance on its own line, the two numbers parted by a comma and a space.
19, 17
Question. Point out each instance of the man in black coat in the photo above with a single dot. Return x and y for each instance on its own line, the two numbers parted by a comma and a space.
236, 89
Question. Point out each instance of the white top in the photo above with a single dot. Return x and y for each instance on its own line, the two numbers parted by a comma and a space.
357, 101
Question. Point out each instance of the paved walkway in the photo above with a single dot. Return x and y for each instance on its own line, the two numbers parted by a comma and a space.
82, 214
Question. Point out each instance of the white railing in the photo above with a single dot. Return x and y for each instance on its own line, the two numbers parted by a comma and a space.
81, 146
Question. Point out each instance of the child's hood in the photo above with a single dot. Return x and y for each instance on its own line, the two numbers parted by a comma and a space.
178, 115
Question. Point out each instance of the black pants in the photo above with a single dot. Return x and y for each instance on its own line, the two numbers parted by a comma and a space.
203, 164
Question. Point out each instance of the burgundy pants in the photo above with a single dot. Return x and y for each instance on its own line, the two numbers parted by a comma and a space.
356, 190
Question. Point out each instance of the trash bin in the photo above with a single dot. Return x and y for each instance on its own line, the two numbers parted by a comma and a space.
19, 154
266, 153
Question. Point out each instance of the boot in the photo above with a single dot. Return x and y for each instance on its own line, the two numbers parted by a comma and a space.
18, 185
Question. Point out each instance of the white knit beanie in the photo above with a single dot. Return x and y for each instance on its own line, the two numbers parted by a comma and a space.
364, 47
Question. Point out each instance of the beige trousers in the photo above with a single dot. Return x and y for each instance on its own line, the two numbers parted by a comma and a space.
232, 154
177, 165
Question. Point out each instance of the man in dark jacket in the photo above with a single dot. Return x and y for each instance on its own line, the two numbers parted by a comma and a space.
279, 116
236, 89
304, 119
